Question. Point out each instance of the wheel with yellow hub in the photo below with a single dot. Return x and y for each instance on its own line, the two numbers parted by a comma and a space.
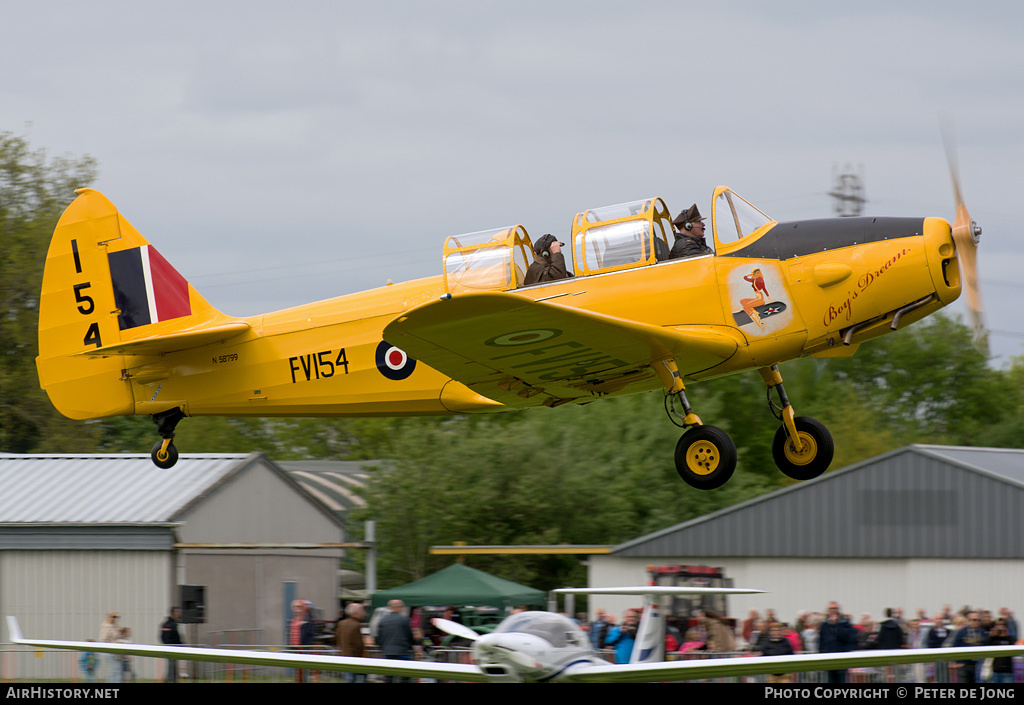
814, 455
705, 457
166, 458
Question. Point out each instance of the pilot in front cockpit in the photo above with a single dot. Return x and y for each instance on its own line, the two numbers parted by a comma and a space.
689, 227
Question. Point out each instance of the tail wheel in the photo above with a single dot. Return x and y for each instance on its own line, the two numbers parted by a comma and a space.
164, 458
815, 454
705, 457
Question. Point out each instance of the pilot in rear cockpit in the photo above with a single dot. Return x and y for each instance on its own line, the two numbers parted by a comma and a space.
548, 262
689, 227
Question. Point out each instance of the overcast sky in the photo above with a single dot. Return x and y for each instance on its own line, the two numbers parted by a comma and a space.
279, 153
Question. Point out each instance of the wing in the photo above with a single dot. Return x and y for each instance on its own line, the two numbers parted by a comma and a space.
387, 667
631, 673
657, 590
525, 352
759, 665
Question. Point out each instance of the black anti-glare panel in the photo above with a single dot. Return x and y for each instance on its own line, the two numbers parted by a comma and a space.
805, 237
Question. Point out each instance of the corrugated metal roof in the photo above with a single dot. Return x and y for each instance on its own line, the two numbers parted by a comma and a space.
337, 484
917, 501
1008, 463
116, 489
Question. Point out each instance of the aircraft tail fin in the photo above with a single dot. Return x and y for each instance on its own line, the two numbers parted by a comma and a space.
105, 287
650, 635
13, 630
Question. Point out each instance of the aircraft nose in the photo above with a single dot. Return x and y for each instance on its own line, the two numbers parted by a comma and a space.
942, 260
504, 648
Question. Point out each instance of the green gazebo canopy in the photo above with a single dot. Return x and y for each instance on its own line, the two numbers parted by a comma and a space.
461, 585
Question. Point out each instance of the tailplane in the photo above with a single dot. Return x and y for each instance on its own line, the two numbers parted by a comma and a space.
108, 293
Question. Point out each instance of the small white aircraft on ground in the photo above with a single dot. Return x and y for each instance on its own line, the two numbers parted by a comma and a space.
545, 647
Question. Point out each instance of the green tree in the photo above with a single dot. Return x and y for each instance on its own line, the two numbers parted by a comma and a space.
595, 474
34, 190
1007, 432
926, 384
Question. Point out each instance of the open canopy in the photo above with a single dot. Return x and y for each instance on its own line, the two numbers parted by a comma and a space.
461, 585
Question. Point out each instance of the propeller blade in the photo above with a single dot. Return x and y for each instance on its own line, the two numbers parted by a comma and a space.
966, 236
455, 629
949, 142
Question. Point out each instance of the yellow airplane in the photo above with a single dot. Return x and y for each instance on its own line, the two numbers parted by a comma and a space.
121, 332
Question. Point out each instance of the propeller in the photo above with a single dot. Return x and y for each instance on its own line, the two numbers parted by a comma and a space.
487, 644
455, 629
966, 236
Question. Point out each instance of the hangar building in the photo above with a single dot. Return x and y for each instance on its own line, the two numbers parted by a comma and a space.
82, 535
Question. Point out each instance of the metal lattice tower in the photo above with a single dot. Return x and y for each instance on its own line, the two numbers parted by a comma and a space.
848, 191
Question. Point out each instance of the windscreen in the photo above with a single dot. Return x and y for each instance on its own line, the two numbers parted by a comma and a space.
735, 218
553, 628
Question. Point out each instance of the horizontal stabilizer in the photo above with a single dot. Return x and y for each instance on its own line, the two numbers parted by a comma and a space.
173, 342
657, 590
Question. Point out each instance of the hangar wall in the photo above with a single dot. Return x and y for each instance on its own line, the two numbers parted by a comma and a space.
58, 595
859, 585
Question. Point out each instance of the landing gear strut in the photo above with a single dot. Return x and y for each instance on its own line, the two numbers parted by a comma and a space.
705, 455
164, 454
802, 447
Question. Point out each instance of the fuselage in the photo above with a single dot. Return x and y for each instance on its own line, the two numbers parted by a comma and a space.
782, 291
329, 358
534, 647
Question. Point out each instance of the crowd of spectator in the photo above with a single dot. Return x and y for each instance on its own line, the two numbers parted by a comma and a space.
834, 632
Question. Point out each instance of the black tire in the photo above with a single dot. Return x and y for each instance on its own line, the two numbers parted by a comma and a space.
816, 456
171, 456
705, 457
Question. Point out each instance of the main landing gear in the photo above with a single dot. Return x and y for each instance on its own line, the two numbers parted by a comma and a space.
164, 454
802, 448
706, 456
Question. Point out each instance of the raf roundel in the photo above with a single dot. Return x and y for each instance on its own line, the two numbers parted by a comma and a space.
523, 337
393, 363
